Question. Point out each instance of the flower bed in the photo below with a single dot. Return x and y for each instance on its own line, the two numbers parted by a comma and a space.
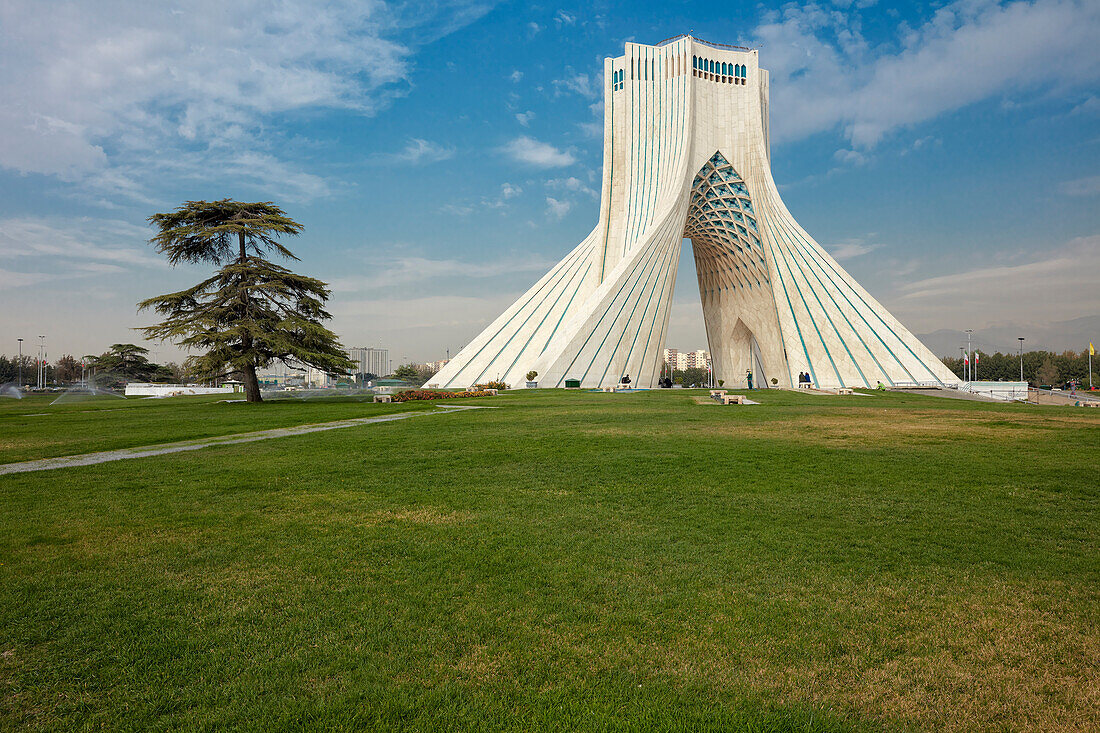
492, 385
434, 394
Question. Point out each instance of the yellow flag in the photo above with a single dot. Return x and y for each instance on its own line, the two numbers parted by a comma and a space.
1092, 351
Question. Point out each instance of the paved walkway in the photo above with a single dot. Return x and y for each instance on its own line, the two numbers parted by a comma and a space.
88, 459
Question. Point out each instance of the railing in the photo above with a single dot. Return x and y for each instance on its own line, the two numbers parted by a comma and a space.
700, 40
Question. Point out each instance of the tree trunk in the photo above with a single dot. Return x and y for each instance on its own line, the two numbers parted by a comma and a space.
251, 384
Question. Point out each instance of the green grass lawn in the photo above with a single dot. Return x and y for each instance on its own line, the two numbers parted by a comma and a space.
33, 428
570, 560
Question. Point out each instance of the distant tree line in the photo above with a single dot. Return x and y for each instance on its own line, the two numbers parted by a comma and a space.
1040, 367
689, 376
117, 365
414, 373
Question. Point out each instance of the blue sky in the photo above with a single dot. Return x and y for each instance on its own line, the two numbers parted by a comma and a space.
443, 155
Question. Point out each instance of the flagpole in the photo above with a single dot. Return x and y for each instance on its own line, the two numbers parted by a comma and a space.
969, 358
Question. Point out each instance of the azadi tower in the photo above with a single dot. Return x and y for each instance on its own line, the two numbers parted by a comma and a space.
687, 155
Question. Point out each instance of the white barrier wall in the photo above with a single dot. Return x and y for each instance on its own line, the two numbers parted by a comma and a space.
998, 390
141, 389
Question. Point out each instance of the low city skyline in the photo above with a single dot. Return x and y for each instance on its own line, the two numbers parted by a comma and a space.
946, 155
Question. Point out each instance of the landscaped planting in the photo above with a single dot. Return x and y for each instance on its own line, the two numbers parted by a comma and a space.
411, 395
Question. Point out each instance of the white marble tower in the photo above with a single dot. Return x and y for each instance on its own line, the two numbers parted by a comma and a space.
687, 155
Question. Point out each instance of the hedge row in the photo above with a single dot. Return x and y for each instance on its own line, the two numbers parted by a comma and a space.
434, 394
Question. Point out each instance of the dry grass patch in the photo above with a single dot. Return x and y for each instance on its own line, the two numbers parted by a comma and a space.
422, 515
1010, 657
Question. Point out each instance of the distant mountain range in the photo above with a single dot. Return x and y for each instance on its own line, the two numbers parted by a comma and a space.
1073, 335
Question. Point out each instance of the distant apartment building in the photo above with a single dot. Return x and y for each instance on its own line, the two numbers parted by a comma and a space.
435, 366
681, 360
672, 358
698, 359
317, 378
371, 361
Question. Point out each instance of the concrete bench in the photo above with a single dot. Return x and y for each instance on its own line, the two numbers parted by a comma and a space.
383, 398
732, 399
844, 390
716, 393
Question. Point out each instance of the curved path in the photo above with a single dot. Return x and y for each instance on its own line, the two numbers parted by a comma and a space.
88, 459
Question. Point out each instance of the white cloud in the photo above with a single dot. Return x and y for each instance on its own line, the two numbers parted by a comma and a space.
507, 191
121, 94
581, 84
532, 29
556, 209
52, 250
10, 279
850, 157
401, 272
826, 76
457, 209
416, 150
534, 152
850, 249
524, 118
591, 129
1055, 285
1089, 186
99, 240
564, 18
572, 184
516, 76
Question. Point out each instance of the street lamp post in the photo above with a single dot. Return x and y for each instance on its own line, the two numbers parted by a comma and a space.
20, 385
1021, 340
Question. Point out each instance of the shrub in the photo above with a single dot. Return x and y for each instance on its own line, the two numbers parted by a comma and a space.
492, 385
531, 375
410, 395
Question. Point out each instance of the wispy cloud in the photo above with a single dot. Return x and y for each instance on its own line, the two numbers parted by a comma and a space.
1057, 284
508, 191
51, 250
524, 118
826, 76
576, 83
405, 271
417, 150
536, 153
1089, 186
556, 209
851, 249
563, 18
571, 184
122, 100
850, 157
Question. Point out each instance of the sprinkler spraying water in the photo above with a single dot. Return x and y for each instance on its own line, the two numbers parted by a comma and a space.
88, 389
